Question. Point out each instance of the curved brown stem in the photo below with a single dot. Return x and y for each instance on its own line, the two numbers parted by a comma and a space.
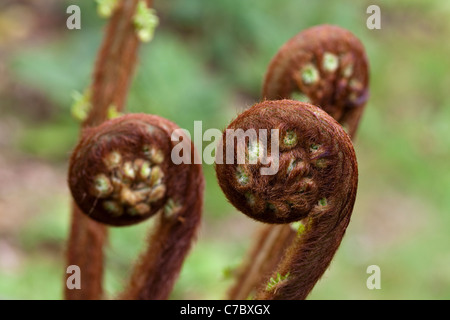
112, 75
340, 88
122, 173
315, 182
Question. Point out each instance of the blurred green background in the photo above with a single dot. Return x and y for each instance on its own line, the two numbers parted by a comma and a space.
207, 62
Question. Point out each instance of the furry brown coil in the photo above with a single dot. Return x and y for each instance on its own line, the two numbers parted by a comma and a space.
325, 65
315, 183
121, 173
112, 75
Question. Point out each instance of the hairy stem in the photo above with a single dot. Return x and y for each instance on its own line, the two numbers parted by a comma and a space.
85, 249
316, 184
340, 88
112, 75
158, 268
269, 244
121, 173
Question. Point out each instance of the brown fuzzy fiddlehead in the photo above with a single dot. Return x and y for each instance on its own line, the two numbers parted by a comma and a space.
117, 173
315, 183
326, 66
114, 68
121, 173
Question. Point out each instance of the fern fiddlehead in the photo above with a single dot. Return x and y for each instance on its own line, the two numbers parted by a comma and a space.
327, 66
112, 75
121, 173
315, 183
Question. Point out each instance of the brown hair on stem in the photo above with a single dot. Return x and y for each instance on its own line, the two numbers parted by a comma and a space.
316, 184
112, 76
322, 65
121, 173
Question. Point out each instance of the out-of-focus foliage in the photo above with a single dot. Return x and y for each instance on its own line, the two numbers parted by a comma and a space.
207, 62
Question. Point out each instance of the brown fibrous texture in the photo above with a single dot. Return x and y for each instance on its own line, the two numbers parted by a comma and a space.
338, 83
116, 61
326, 65
268, 249
112, 76
157, 269
315, 183
122, 173
119, 172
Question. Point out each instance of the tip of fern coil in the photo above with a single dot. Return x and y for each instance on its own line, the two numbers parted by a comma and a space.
313, 153
118, 170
